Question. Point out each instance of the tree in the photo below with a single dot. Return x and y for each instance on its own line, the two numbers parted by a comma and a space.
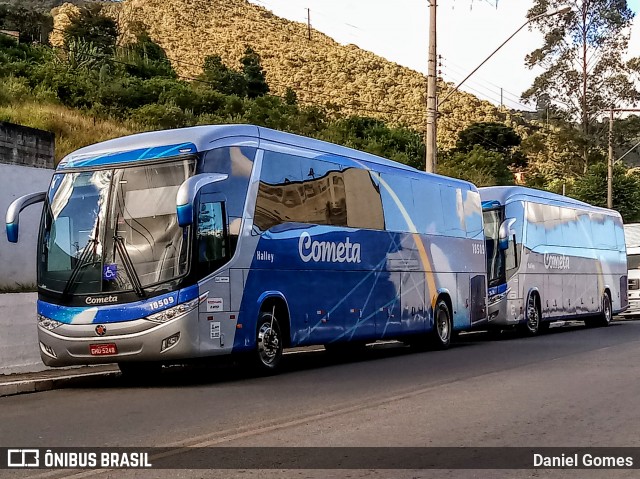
374, 136
145, 58
479, 166
93, 27
218, 76
254, 75
33, 26
582, 58
495, 137
290, 96
592, 188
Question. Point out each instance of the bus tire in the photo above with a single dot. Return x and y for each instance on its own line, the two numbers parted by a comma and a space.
442, 326
269, 343
533, 318
606, 316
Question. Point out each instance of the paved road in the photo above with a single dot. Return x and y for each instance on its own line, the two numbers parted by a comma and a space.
572, 387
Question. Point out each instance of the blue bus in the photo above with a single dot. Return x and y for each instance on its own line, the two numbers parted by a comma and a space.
551, 258
165, 246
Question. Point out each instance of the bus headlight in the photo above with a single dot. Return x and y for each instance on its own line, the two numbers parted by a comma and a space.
48, 323
180, 310
496, 298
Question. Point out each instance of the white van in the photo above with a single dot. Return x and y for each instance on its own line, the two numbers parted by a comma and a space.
632, 238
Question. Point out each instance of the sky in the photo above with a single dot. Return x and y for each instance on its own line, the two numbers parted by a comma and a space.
468, 31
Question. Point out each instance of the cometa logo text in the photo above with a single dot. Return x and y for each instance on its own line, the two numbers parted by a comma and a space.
328, 251
103, 300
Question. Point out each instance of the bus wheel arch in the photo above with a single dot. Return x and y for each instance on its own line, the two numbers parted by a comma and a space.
606, 316
442, 331
533, 324
277, 304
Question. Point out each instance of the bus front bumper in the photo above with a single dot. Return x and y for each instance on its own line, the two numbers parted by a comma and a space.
502, 312
137, 340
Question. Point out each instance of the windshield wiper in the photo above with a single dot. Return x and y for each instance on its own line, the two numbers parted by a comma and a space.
128, 265
83, 260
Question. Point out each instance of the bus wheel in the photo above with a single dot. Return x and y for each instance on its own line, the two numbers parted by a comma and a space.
442, 327
531, 326
607, 313
269, 343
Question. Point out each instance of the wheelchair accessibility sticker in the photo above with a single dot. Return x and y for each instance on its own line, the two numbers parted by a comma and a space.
110, 272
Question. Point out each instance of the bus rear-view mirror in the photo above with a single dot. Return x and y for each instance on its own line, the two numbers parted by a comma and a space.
505, 233
12, 219
187, 194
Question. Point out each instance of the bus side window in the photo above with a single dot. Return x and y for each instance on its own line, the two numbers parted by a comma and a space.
600, 232
610, 240
619, 231
280, 190
472, 214
364, 203
513, 255
584, 230
322, 193
428, 206
397, 203
553, 225
453, 211
536, 232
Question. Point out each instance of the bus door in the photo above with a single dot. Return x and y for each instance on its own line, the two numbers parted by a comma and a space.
212, 250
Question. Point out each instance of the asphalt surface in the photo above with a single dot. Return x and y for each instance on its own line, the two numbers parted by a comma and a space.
573, 387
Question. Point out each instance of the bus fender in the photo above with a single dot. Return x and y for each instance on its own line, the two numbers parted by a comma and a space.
606, 288
434, 300
272, 294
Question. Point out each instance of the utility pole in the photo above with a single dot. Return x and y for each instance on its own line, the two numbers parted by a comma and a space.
432, 107
610, 163
308, 24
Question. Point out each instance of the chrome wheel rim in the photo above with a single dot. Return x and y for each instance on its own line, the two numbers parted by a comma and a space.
268, 343
532, 316
442, 325
607, 309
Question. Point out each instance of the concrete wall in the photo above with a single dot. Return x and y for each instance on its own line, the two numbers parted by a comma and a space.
21, 145
26, 162
18, 261
19, 351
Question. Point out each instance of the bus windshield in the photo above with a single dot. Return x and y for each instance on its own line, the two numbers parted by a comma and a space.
495, 256
113, 230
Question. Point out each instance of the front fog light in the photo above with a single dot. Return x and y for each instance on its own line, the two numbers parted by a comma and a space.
48, 323
171, 341
48, 350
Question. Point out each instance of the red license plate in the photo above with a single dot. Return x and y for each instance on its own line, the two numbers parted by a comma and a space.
103, 349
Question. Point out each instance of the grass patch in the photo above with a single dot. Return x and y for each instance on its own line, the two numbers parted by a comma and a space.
72, 128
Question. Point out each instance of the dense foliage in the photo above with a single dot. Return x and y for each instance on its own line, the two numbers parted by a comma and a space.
584, 69
137, 85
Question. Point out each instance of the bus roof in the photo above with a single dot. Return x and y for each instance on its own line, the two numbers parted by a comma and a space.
503, 194
184, 141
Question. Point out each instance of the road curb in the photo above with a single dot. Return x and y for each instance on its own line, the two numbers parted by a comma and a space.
39, 384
